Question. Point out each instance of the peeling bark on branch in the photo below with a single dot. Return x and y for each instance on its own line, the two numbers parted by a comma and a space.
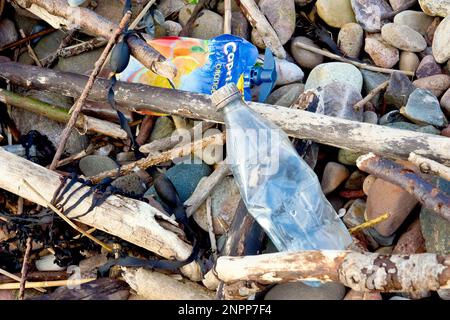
363, 137
359, 271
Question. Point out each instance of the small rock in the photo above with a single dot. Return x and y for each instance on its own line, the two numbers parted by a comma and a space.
423, 108
288, 72
163, 128
398, 90
397, 4
428, 67
432, 30
446, 132
355, 181
92, 165
125, 157
47, 263
335, 13
370, 117
8, 32
106, 150
207, 25
75, 3
368, 13
301, 291
172, 28
411, 241
355, 214
380, 239
437, 84
392, 116
348, 157
334, 174
225, 198
368, 182
305, 58
257, 40
339, 99
46, 46
444, 294
286, 95
435, 229
336, 201
441, 49
445, 101
185, 13
281, 15
413, 127
350, 39
416, 20
359, 295
239, 24
326, 73
435, 7
130, 184
409, 61
382, 54
403, 37
385, 197
168, 7
371, 81
89, 266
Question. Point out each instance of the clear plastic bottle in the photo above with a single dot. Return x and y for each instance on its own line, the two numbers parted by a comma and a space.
279, 189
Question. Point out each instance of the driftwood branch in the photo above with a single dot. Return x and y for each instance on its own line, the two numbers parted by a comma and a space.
129, 219
260, 23
92, 23
429, 166
362, 137
359, 271
395, 173
61, 115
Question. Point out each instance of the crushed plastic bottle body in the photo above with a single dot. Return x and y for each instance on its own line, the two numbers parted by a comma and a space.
278, 188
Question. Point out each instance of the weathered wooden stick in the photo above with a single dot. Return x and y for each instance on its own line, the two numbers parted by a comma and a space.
25, 263
96, 25
355, 63
227, 17
260, 23
31, 52
16, 278
27, 39
153, 285
160, 158
46, 284
362, 137
205, 187
429, 166
395, 173
129, 219
359, 271
360, 104
68, 38
61, 114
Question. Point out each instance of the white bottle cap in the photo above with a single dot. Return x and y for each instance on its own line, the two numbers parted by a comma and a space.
225, 95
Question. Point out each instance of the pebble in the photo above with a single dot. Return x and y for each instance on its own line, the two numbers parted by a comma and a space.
239, 25
185, 13
207, 25
334, 174
398, 90
163, 128
355, 214
411, 241
305, 58
403, 37
286, 95
47, 263
435, 7
441, 49
350, 39
225, 198
380, 239
386, 197
288, 72
257, 40
339, 99
445, 101
92, 165
435, 229
8, 33
368, 12
428, 67
355, 181
367, 184
409, 61
326, 73
301, 291
131, 184
82, 63
348, 157
335, 13
370, 117
75, 3
125, 157
106, 150
281, 15
172, 28
416, 20
437, 84
382, 54
358, 295
424, 108
432, 30
446, 131
413, 127
392, 116
371, 81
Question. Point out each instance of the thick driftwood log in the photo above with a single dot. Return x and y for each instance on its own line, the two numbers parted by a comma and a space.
154, 285
132, 220
92, 23
429, 166
359, 271
395, 173
363, 137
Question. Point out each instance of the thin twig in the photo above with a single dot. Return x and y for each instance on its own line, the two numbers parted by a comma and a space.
355, 63
429, 166
27, 39
68, 38
62, 216
76, 108
212, 236
360, 104
47, 284
24, 271
16, 278
227, 17
141, 15
31, 52
369, 223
